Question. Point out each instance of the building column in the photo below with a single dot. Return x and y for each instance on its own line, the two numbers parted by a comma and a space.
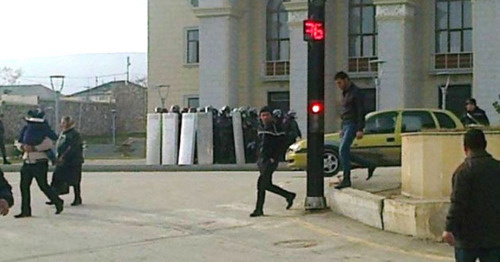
485, 43
398, 75
218, 53
297, 13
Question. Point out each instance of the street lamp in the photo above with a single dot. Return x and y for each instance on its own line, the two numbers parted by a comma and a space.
162, 98
444, 89
57, 94
376, 80
113, 125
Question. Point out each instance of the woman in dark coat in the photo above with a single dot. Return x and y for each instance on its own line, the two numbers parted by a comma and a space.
69, 159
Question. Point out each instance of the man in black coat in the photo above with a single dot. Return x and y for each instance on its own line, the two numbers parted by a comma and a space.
6, 199
473, 221
473, 114
270, 143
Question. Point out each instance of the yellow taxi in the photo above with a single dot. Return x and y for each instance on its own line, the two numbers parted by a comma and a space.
381, 144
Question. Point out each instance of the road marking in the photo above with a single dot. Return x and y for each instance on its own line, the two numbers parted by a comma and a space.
328, 232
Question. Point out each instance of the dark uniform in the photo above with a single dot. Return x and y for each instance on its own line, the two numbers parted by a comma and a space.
475, 117
271, 139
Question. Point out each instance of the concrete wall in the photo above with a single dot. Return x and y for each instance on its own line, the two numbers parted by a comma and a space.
429, 160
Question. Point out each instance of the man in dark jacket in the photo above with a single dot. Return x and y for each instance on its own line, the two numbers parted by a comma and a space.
353, 123
473, 114
6, 199
473, 221
270, 143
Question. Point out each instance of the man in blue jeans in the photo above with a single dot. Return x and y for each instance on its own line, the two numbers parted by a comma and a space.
473, 221
353, 123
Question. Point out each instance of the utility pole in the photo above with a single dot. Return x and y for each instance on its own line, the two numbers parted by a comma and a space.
314, 34
57, 94
128, 69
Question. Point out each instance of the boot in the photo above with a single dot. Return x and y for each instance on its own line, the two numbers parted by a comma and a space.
6, 162
346, 182
289, 200
257, 213
21, 215
370, 172
59, 206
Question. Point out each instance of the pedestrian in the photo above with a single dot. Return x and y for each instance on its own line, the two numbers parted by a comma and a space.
291, 128
69, 162
6, 199
2, 141
35, 130
353, 123
473, 221
270, 138
473, 114
35, 165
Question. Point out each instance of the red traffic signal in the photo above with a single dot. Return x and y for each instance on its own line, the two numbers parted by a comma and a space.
316, 107
314, 30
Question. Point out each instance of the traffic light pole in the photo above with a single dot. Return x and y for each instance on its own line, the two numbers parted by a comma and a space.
314, 34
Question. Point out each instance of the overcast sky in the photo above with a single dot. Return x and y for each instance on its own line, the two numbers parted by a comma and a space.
40, 28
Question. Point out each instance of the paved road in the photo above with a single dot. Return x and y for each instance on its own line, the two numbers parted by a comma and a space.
195, 217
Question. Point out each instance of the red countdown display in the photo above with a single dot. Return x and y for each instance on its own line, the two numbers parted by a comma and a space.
314, 30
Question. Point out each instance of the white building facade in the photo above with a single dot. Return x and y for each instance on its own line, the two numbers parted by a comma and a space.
252, 52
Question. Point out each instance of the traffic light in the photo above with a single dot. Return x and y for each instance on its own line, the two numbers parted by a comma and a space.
314, 30
316, 107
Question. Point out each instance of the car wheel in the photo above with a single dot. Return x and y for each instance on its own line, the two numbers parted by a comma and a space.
331, 162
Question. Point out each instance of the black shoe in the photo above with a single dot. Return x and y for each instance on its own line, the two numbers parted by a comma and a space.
370, 172
5, 162
49, 203
59, 207
289, 201
22, 215
77, 202
257, 213
345, 183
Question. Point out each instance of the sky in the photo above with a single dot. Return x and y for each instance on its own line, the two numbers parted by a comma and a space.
42, 28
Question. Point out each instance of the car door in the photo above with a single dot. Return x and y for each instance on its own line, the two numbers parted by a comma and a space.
380, 144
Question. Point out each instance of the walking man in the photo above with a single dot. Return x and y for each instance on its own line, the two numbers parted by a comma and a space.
353, 123
473, 221
270, 143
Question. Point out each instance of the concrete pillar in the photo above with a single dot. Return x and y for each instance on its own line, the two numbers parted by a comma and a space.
218, 64
297, 13
395, 21
485, 44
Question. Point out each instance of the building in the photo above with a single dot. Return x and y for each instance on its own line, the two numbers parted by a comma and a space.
247, 52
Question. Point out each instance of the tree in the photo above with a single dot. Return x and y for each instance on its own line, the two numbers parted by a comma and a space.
10, 76
497, 106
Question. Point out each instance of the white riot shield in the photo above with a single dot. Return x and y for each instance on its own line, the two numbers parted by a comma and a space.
153, 140
239, 147
204, 139
188, 136
170, 137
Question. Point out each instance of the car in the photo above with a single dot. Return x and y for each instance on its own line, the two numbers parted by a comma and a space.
381, 144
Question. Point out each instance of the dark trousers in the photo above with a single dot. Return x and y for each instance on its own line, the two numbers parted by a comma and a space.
265, 182
2, 149
37, 171
471, 254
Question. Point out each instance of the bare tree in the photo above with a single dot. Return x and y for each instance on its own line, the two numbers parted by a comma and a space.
10, 76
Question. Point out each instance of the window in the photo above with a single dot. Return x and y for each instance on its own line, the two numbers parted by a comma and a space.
445, 121
453, 33
362, 35
193, 102
194, 3
384, 123
416, 121
278, 35
193, 45
369, 98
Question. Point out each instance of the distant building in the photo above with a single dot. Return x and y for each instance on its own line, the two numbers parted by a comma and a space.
41, 91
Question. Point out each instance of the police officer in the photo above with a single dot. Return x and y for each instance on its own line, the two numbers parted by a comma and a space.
226, 137
473, 114
270, 139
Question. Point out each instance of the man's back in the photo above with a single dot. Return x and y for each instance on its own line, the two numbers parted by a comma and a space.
477, 220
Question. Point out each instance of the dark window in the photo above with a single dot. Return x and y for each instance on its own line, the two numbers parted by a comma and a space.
194, 3
278, 34
362, 29
369, 99
453, 26
193, 102
383, 123
445, 121
193, 44
455, 98
279, 100
416, 121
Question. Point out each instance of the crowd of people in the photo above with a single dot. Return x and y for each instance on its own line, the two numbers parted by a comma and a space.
223, 132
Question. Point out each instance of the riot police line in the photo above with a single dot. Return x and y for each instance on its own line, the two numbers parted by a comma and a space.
207, 136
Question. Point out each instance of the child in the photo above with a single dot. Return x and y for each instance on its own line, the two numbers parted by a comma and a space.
36, 130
